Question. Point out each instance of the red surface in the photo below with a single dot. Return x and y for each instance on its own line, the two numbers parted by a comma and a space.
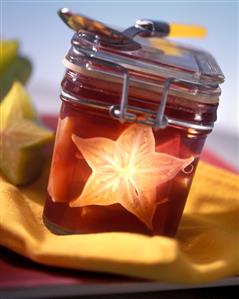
213, 159
17, 271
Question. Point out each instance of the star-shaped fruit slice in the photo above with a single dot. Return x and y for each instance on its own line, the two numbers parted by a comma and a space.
21, 137
126, 171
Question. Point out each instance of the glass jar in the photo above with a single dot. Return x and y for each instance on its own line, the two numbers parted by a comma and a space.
132, 125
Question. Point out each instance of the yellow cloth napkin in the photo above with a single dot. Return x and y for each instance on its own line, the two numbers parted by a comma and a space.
206, 247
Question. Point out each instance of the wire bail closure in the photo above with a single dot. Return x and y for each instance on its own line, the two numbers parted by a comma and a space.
121, 111
160, 121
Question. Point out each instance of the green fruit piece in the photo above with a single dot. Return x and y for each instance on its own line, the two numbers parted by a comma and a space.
21, 157
8, 51
19, 70
21, 137
16, 104
20, 166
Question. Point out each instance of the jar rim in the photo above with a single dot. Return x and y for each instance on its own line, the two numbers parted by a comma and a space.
198, 92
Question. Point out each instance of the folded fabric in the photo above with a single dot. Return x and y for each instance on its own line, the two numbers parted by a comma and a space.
206, 247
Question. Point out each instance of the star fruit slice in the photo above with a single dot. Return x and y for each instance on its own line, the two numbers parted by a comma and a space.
21, 137
8, 51
16, 104
126, 171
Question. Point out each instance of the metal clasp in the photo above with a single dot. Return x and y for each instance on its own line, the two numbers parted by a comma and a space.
160, 121
121, 111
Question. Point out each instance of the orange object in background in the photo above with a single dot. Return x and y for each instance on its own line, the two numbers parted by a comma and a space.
186, 31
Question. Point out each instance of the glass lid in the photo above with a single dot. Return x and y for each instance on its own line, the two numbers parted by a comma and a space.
141, 50
160, 57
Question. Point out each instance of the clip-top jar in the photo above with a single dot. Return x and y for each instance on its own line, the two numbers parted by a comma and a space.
132, 125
